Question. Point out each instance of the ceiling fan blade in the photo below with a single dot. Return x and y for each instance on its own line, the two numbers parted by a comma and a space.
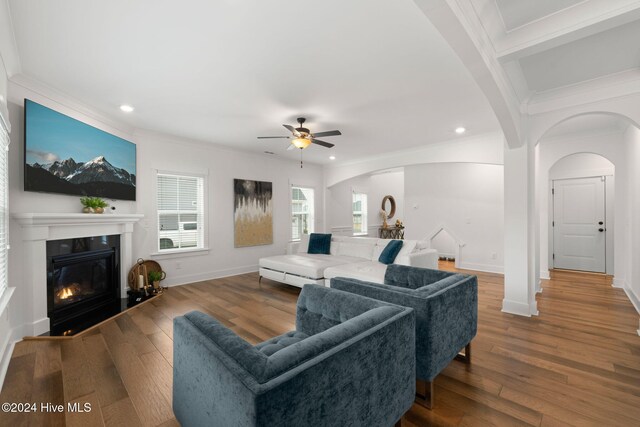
291, 147
324, 144
273, 137
292, 130
328, 133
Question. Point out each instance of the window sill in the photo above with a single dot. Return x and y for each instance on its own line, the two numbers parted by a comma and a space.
360, 234
177, 253
4, 299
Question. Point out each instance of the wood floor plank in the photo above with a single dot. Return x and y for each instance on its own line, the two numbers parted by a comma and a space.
150, 404
18, 387
106, 377
76, 371
121, 413
85, 416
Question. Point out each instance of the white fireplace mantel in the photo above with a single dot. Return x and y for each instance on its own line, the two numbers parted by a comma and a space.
38, 228
53, 219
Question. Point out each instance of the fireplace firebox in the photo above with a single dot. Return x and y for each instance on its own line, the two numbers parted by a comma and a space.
83, 282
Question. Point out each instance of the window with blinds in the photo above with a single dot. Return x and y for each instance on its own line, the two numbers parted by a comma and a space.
4, 208
302, 211
180, 212
359, 213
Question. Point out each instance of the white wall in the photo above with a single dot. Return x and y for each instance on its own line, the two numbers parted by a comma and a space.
632, 279
376, 186
465, 198
222, 166
155, 152
581, 165
445, 244
612, 148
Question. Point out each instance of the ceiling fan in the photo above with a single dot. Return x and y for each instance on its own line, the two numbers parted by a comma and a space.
302, 137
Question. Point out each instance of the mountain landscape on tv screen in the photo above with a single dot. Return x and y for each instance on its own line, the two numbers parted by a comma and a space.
96, 177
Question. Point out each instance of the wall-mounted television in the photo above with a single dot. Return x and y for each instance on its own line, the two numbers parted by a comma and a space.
66, 156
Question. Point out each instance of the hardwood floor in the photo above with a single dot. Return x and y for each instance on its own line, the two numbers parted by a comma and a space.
578, 363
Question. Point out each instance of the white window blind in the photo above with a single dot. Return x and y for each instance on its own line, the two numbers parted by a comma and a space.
180, 212
302, 211
4, 208
359, 213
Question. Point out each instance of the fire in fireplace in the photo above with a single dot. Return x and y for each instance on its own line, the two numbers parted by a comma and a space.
83, 281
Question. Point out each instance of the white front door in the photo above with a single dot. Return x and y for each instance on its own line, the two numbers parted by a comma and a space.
579, 224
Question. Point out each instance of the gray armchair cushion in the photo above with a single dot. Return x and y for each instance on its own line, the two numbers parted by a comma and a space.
280, 342
319, 310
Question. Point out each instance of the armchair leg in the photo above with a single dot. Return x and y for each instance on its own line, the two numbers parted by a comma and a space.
466, 357
260, 282
425, 393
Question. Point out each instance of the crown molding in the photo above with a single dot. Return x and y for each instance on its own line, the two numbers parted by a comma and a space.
612, 86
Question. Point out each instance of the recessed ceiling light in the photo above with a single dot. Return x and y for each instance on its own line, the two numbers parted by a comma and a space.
332, 157
126, 108
460, 130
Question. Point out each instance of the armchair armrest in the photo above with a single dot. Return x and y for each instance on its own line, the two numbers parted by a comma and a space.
206, 353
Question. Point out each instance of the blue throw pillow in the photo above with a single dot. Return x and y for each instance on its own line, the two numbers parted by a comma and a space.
319, 244
390, 252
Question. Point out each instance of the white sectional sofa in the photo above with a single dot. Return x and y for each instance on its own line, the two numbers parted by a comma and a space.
355, 257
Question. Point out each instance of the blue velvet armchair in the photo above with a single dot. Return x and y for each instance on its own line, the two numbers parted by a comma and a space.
446, 307
350, 361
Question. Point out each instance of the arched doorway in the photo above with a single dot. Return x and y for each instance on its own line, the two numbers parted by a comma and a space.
587, 145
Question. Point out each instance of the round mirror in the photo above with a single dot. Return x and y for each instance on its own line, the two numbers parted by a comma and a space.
389, 200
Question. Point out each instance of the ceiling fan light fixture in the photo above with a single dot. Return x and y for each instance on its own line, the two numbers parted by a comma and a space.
301, 142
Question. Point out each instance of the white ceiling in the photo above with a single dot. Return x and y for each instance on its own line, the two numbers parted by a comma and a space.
228, 71
587, 58
516, 13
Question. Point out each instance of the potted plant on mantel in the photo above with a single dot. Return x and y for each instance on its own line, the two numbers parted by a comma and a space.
93, 204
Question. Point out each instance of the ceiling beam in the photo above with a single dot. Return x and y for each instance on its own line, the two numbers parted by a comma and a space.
565, 26
461, 28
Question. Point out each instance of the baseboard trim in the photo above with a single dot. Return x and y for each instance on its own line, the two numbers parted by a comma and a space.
632, 297
39, 327
6, 359
544, 275
485, 268
619, 283
518, 308
218, 274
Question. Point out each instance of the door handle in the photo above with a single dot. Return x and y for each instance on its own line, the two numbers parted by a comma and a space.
601, 229
600, 222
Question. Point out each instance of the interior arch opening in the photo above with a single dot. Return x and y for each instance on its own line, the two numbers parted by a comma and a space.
586, 155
